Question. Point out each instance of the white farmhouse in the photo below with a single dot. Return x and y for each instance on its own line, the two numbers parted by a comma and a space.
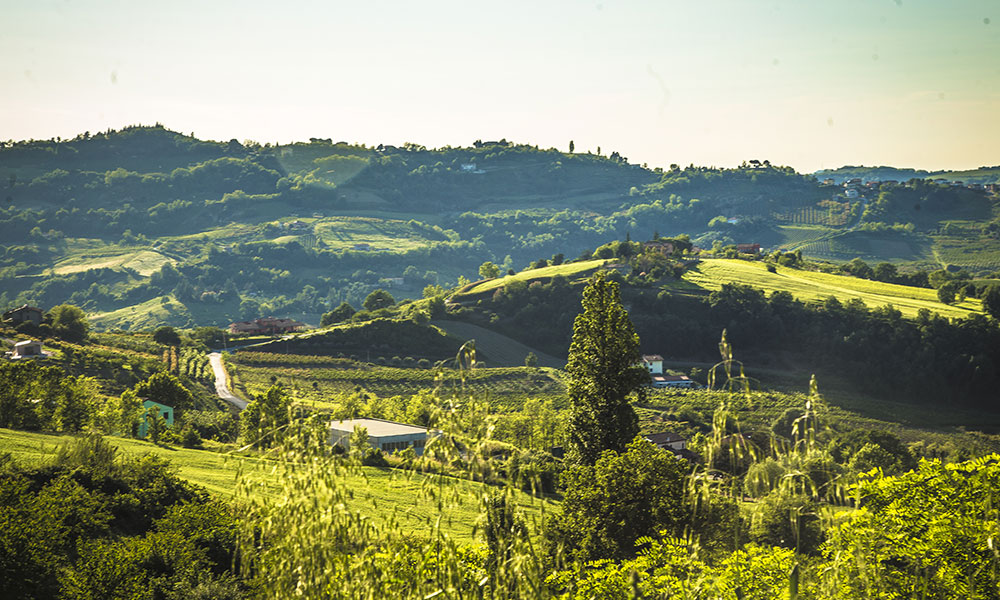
653, 363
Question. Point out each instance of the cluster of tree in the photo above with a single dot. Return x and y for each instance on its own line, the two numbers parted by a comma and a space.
95, 525
889, 273
926, 204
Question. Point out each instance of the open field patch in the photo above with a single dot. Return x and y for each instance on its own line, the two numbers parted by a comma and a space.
145, 262
569, 270
809, 286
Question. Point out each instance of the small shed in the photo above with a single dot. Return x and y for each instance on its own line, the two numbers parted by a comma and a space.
387, 436
27, 349
166, 413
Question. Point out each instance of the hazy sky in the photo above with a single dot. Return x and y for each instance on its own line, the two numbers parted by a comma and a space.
807, 83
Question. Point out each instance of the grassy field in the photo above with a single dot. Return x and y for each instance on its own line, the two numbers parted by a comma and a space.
392, 235
146, 315
378, 493
145, 262
570, 270
710, 274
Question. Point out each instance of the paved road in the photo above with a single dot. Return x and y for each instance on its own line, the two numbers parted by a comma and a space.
220, 382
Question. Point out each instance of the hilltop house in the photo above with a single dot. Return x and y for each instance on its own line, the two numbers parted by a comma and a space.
265, 326
22, 314
387, 436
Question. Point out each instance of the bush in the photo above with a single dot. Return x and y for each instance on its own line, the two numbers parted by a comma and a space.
373, 457
787, 520
190, 438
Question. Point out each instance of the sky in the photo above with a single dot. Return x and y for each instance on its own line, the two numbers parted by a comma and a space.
808, 83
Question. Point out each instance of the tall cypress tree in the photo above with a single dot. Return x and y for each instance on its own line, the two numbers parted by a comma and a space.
604, 370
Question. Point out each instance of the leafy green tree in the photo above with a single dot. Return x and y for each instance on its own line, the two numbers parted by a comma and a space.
531, 361
378, 299
604, 370
212, 337
788, 520
488, 270
946, 293
338, 315
359, 442
886, 272
929, 533
262, 421
621, 498
155, 423
991, 301
68, 322
165, 389
167, 336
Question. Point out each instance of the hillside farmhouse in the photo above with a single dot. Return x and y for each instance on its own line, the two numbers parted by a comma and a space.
387, 436
265, 326
661, 246
653, 363
22, 314
667, 440
26, 349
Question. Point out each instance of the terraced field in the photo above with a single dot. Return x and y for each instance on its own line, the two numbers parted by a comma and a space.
796, 235
379, 494
710, 274
322, 386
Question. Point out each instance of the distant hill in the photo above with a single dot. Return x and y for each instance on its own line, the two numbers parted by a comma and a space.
981, 175
146, 225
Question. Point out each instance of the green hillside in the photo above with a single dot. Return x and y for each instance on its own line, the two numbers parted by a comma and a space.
380, 494
711, 274
217, 232
572, 271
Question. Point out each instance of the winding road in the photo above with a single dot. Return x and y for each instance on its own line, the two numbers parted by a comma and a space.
221, 388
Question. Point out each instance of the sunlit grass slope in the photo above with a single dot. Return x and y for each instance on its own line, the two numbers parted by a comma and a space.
569, 270
710, 274
379, 494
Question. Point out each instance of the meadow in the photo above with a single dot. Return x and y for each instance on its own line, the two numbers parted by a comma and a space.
811, 286
414, 500
569, 270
